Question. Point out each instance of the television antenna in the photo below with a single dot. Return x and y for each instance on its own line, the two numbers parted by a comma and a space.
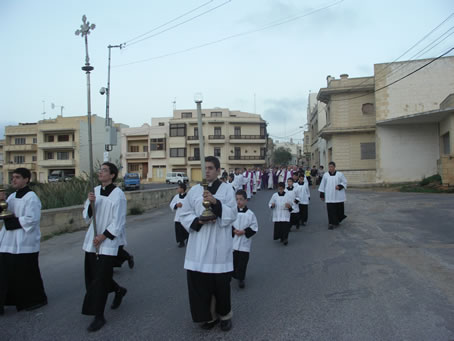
53, 106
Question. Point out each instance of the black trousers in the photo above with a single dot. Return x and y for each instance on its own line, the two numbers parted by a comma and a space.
21, 284
180, 233
303, 213
122, 257
335, 212
202, 288
98, 283
294, 219
240, 260
281, 230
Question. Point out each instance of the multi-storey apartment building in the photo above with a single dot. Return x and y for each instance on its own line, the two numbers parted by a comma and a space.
2, 142
238, 139
56, 144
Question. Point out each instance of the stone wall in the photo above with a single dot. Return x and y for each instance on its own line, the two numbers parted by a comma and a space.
446, 169
69, 219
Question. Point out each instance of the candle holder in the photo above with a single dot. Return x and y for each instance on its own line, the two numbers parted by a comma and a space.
207, 214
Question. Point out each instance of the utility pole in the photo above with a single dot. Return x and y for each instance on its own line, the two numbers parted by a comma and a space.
110, 141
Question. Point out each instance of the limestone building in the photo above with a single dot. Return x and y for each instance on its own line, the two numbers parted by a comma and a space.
56, 144
238, 139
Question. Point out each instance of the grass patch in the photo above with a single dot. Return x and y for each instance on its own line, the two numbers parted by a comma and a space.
432, 184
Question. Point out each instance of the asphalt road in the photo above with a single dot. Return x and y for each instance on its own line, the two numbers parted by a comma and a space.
386, 274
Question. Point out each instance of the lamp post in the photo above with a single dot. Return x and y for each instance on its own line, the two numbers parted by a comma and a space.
84, 31
106, 91
207, 214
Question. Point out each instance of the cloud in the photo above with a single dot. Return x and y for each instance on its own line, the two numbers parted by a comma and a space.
285, 116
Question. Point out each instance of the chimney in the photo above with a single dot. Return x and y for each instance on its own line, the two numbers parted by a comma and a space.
329, 78
344, 76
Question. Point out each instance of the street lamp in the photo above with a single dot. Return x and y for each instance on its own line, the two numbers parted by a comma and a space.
84, 31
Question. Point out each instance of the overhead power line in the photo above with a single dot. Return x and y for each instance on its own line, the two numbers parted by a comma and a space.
397, 80
271, 25
179, 24
169, 22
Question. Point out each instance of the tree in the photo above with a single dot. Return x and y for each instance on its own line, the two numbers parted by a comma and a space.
282, 156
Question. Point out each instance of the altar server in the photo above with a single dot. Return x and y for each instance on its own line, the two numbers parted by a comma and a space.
181, 235
332, 191
281, 205
101, 250
20, 278
244, 227
209, 253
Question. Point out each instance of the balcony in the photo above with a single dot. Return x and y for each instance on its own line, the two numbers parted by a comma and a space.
177, 161
20, 148
216, 138
12, 166
137, 155
239, 159
194, 160
58, 145
57, 163
193, 139
247, 139
158, 154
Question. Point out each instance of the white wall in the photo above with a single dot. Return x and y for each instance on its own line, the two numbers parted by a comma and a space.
406, 152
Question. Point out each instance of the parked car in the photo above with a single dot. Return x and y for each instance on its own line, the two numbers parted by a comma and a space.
131, 181
60, 175
176, 178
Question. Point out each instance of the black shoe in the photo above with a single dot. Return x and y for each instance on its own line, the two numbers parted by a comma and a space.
336, 226
181, 244
2, 310
297, 227
131, 262
209, 325
226, 325
96, 325
331, 227
118, 298
304, 224
286, 242
36, 306
241, 284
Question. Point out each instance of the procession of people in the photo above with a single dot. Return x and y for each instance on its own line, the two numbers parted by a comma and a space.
218, 243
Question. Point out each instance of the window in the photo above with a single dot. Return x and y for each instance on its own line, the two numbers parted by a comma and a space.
48, 156
133, 167
19, 140
237, 131
197, 153
161, 124
196, 132
178, 129
145, 149
217, 131
35, 140
263, 152
33, 157
63, 138
217, 151
237, 152
368, 151
62, 155
177, 152
262, 129
446, 144
216, 114
186, 115
368, 108
134, 149
19, 159
157, 144
49, 138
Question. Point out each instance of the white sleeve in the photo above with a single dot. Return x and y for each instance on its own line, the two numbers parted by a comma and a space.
118, 220
322, 186
229, 208
85, 212
254, 224
343, 180
187, 213
174, 202
32, 214
272, 200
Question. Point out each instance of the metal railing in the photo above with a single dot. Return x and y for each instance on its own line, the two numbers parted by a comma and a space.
248, 137
194, 158
241, 157
216, 137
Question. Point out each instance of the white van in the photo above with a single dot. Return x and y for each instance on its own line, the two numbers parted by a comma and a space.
176, 178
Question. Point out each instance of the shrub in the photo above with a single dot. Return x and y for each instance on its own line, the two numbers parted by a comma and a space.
431, 179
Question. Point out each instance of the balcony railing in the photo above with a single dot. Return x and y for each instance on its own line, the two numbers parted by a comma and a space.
216, 137
248, 137
193, 137
136, 155
194, 158
240, 157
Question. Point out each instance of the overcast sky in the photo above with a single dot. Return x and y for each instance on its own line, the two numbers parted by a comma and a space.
41, 56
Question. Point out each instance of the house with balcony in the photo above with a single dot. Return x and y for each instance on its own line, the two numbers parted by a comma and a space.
56, 144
